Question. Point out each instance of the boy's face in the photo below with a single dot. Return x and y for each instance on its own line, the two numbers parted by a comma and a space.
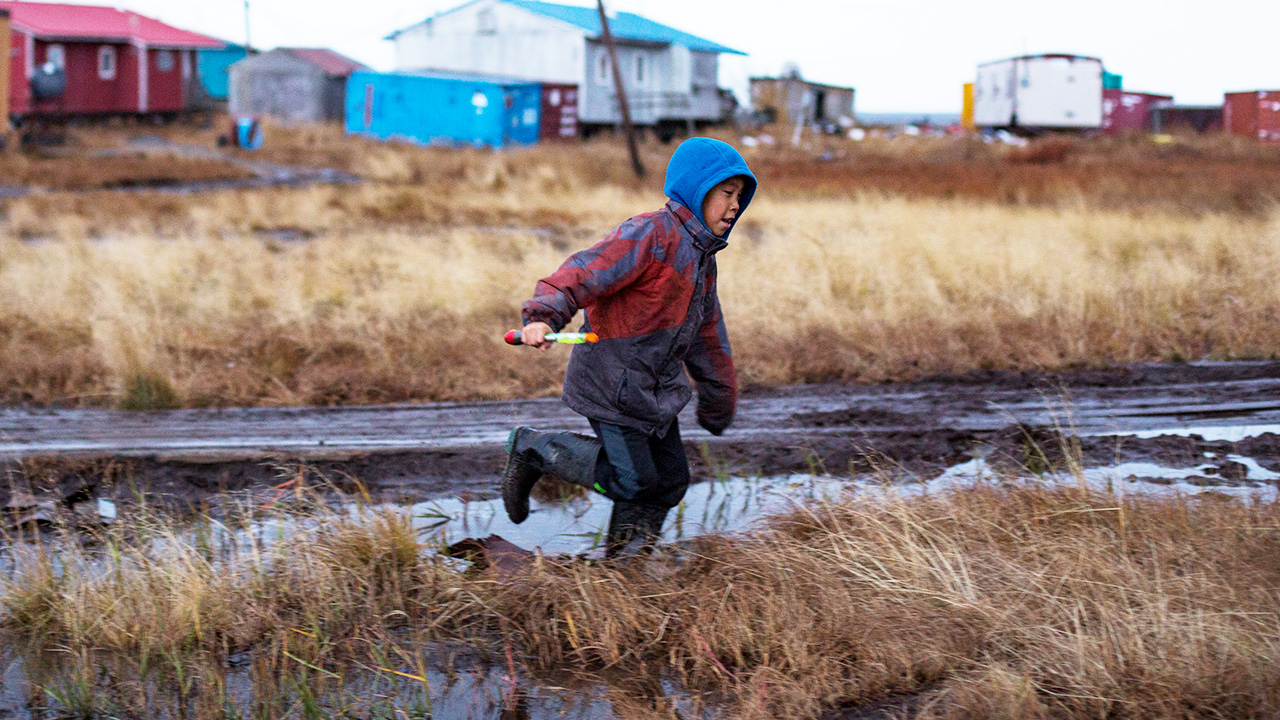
720, 207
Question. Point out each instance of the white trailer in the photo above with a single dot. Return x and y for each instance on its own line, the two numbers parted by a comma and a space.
1039, 92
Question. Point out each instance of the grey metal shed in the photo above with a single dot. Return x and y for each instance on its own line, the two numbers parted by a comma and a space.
293, 84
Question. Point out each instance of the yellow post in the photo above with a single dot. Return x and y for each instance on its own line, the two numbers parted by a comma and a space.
966, 110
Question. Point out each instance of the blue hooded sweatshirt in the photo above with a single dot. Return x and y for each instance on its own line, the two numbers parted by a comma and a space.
700, 164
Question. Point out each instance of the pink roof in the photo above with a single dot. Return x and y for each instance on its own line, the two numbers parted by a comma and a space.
327, 60
68, 22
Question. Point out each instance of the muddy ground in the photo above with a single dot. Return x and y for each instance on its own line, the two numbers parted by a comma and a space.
906, 430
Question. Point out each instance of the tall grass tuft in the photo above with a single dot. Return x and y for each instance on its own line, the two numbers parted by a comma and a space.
150, 391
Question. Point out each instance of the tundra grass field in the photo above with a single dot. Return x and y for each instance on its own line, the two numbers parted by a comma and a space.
885, 260
990, 602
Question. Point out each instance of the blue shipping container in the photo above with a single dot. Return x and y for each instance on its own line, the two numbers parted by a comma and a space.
453, 110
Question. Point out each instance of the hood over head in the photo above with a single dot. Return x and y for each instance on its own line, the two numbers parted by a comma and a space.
698, 165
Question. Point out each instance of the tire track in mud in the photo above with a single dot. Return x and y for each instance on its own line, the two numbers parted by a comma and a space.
411, 452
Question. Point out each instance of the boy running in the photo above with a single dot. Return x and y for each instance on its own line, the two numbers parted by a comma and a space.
649, 292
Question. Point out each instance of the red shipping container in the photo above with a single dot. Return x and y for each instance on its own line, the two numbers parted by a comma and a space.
1129, 111
559, 112
1253, 114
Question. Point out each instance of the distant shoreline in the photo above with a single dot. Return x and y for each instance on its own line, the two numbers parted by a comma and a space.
908, 118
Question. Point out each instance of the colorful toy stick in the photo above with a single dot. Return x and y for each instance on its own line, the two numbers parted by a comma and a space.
513, 338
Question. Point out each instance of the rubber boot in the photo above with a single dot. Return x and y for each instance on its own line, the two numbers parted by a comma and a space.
521, 473
571, 457
634, 529
532, 454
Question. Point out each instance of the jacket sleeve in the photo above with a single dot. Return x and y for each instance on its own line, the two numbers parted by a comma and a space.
591, 274
710, 364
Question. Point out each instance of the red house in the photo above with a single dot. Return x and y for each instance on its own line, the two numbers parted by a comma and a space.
104, 61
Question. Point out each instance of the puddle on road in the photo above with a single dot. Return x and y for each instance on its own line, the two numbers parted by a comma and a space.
578, 525
1211, 433
1128, 478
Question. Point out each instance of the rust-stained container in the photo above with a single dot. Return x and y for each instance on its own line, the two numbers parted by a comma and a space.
1253, 114
1124, 111
559, 112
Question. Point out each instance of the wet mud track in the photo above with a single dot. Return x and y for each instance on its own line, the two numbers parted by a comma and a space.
410, 452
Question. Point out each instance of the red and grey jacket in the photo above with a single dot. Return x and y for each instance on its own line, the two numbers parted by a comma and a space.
649, 291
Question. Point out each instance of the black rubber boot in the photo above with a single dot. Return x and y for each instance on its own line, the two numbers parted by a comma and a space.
634, 529
532, 454
522, 472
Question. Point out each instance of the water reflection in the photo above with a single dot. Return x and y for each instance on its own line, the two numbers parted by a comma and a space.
578, 525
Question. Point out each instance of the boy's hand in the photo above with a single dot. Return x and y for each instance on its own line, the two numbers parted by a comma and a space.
534, 335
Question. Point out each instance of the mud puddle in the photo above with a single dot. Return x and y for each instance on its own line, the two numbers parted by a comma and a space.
1169, 414
263, 174
578, 525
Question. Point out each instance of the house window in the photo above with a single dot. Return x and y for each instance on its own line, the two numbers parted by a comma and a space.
604, 68
56, 55
106, 63
164, 60
486, 22
639, 69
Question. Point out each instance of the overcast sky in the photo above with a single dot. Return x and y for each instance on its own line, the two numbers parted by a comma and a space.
901, 55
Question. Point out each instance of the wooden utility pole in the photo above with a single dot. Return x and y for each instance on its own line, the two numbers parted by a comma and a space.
630, 129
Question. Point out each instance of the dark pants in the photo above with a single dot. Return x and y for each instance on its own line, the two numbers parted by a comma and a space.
640, 468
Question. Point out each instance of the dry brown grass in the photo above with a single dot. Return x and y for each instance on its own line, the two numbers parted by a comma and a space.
987, 602
1190, 175
398, 289
863, 289
146, 614
1012, 602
